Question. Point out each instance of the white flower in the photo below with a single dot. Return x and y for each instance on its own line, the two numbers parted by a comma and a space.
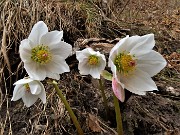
90, 62
29, 90
133, 63
44, 54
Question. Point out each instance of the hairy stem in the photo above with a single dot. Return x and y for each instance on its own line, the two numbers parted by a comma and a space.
72, 115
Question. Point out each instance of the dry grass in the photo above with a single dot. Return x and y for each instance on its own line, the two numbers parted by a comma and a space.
78, 19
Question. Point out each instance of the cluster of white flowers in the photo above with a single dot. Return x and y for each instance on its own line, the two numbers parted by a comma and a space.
132, 61
43, 54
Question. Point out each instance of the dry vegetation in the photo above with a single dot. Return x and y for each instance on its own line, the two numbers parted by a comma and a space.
156, 113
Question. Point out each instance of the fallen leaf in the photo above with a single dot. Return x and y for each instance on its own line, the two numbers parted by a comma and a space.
93, 123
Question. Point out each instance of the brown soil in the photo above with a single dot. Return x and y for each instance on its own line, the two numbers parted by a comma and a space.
157, 113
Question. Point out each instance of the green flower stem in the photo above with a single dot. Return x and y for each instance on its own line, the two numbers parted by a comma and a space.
118, 116
72, 115
101, 87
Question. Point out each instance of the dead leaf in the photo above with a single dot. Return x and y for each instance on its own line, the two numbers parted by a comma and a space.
93, 123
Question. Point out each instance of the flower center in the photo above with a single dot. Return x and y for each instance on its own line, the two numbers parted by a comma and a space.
27, 87
125, 63
93, 60
41, 54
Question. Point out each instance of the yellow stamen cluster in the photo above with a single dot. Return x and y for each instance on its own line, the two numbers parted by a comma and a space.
27, 87
41, 54
93, 60
125, 63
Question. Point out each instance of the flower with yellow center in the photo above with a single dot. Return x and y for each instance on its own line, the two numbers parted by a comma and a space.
124, 63
29, 90
27, 87
93, 60
90, 62
41, 54
133, 63
44, 54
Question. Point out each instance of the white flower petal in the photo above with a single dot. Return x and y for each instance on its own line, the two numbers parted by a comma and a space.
138, 92
62, 49
102, 61
101, 57
25, 55
25, 50
113, 67
38, 30
42, 95
63, 67
58, 65
18, 92
35, 87
118, 90
151, 63
144, 45
29, 99
95, 73
111, 59
35, 71
84, 68
25, 44
53, 75
91, 51
23, 81
51, 38
139, 82
134, 45
119, 47
81, 55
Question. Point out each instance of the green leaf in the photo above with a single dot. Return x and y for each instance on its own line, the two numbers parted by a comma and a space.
106, 75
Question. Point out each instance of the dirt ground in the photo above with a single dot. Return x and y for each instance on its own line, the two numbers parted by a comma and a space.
99, 25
